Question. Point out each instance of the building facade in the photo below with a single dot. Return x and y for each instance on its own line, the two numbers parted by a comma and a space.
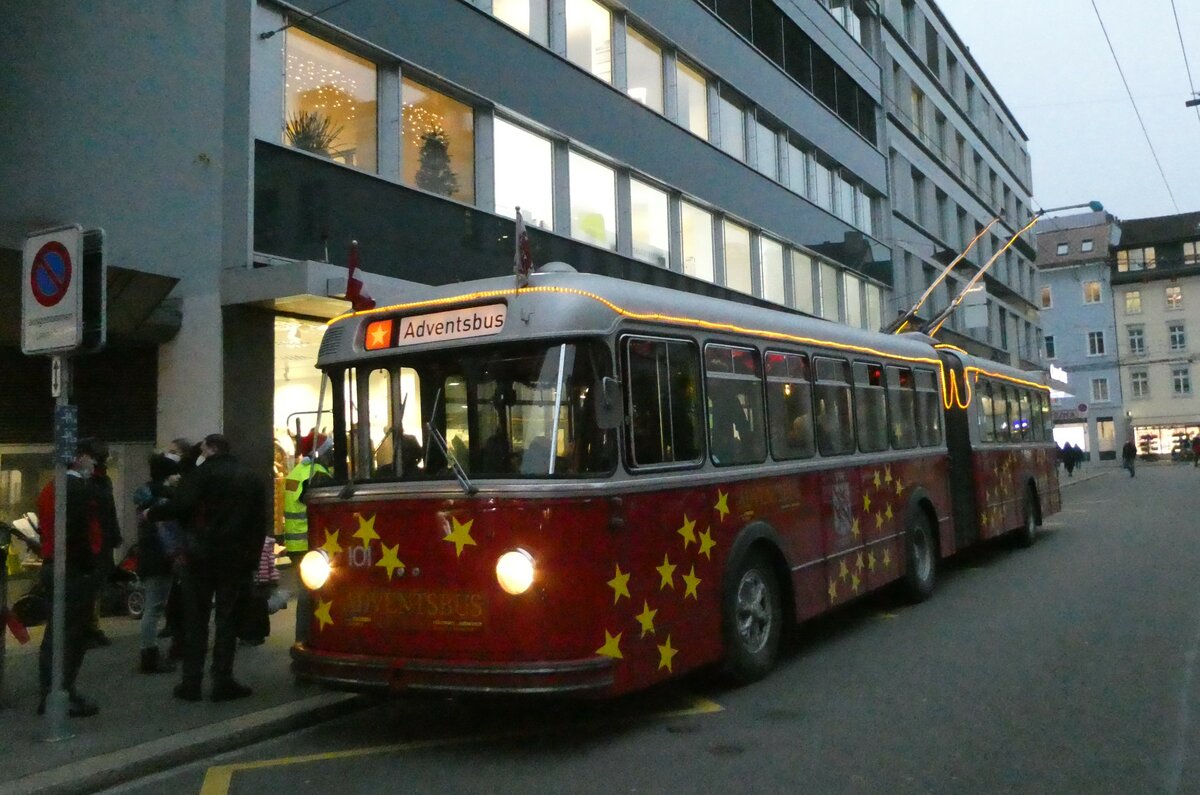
1080, 334
1156, 292
958, 159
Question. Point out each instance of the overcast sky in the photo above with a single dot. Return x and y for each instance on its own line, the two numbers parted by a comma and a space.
1050, 64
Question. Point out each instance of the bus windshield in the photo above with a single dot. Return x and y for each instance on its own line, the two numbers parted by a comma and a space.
507, 411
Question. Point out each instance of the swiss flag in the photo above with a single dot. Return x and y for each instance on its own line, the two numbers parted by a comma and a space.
359, 300
522, 258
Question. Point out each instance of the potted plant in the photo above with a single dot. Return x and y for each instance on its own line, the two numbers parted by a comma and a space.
312, 131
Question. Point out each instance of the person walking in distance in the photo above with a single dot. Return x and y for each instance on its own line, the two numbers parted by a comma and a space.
223, 512
81, 546
110, 537
1196, 450
1129, 456
155, 560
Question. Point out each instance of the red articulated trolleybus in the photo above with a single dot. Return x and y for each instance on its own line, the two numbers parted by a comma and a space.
589, 485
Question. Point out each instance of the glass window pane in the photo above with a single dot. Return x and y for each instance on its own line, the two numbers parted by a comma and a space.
733, 128
643, 62
797, 170
593, 202
869, 407
830, 303
664, 398
697, 242
771, 255
853, 288
329, 101
524, 174
821, 186
834, 420
789, 402
737, 257
693, 99
734, 390
874, 308
765, 141
589, 37
528, 16
649, 208
802, 282
438, 136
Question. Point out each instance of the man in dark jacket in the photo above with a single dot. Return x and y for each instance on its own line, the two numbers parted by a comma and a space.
110, 536
223, 511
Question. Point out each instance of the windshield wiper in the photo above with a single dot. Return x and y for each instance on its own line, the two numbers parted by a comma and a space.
451, 459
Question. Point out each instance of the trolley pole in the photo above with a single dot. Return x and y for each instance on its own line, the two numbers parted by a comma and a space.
58, 699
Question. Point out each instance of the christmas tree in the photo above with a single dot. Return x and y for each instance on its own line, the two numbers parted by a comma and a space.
435, 174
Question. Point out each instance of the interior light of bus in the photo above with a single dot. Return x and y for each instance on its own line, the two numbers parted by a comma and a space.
379, 335
315, 569
514, 571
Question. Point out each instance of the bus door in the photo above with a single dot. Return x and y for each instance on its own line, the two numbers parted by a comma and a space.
958, 445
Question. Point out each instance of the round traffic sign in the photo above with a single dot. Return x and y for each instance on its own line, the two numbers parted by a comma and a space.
1082, 408
50, 275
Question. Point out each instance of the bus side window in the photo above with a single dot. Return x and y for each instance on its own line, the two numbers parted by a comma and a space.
834, 417
901, 407
789, 406
1040, 418
870, 405
1023, 425
664, 401
987, 411
1004, 413
734, 383
929, 410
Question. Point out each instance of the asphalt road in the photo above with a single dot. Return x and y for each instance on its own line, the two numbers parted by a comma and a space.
1069, 667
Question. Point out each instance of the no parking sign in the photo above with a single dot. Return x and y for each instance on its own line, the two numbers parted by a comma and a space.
62, 291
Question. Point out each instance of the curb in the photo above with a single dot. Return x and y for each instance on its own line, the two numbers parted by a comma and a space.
128, 764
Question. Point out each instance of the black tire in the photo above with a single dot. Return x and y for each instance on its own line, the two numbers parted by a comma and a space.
135, 602
1026, 534
920, 572
753, 619
31, 610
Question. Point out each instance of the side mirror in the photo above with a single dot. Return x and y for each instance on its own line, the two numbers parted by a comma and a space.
609, 410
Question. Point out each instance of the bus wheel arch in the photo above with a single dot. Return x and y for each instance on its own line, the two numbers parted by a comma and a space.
921, 549
757, 604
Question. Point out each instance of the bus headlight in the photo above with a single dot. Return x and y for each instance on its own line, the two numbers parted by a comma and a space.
514, 571
314, 569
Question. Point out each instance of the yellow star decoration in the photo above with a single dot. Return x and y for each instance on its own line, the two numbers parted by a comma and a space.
692, 582
331, 545
646, 618
876, 479
983, 520
866, 504
887, 558
888, 512
854, 531
688, 531
833, 594
460, 536
722, 506
611, 647
706, 543
321, 614
620, 585
843, 572
366, 530
878, 520
871, 561
887, 473
389, 560
667, 572
858, 561
666, 654
899, 487
854, 582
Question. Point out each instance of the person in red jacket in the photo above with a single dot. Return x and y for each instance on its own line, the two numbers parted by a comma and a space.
80, 545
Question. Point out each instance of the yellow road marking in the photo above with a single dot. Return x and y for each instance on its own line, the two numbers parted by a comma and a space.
218, 779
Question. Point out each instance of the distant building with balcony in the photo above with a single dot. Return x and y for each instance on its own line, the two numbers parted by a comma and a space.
1156, 291
1080, 335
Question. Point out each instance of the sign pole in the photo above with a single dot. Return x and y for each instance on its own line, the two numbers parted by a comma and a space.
58, 699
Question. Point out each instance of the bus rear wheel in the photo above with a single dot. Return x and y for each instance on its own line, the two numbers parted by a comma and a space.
753, 619
921, 571
1027, 533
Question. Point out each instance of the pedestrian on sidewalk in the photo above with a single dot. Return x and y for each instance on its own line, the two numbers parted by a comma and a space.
110, 538
158, 546
1196, 451
222, 509
1068, 459
1128, 456
80, 546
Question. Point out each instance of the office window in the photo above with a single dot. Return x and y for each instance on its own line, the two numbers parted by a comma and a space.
1063, 248
822, 190
874, 307
737, 257
1087, 245
1048, 340
770, 254
531, 17
644, 70
1137, 340
1047, 298
844, 195
1181, 380
1136, 259
803, 285
767, 22
589, 37
852, 286
766, 142
917, 108
831, 305
733, 127
1174, 297
1191, 252
918, 197
1091, 292
1139, 383
329, 104
1100, 390
697, 240
593, 201
523, 175
865, 211
649, 211
438, 137
797, 169
1133, 302
692, 99
1177, 337
1095, 340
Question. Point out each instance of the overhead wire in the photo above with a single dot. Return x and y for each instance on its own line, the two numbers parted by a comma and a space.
1136, 111
1187, 67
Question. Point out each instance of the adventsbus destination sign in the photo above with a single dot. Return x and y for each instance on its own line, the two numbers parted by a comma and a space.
476, 321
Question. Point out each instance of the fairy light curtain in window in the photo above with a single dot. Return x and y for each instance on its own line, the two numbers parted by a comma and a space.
329, 102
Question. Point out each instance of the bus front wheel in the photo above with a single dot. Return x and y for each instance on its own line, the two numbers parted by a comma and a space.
753, 619
921, 571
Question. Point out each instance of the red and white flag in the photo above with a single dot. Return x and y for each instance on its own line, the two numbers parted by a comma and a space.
522, 258
359, 300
